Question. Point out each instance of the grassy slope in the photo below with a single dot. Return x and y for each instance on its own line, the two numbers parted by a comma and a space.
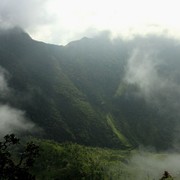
116, 131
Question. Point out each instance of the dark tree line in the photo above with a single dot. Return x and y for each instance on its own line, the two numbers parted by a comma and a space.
18, 167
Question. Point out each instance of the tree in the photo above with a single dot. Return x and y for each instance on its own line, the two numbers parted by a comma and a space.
12, 168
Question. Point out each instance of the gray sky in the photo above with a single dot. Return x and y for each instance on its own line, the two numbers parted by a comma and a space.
61, 21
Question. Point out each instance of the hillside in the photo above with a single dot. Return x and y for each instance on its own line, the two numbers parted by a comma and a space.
82, 92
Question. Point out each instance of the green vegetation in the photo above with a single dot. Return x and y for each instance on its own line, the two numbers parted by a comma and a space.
68, 91
121, 89
73, 161
121, 137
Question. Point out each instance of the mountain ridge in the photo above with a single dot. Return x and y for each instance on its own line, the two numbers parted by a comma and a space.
69, 91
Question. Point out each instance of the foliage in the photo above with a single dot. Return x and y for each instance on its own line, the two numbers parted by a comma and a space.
72, 161
11, 169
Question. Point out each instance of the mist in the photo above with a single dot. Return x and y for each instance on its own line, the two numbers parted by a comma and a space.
153, 67
21, 13
145, 165
12, 120
151, 74
59, 22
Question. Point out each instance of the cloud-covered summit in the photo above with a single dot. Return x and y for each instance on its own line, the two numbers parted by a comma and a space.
59, 22
22, 13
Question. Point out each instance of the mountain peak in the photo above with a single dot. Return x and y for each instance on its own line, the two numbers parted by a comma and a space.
14, 32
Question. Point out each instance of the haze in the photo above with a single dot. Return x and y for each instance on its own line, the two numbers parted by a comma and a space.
59, 22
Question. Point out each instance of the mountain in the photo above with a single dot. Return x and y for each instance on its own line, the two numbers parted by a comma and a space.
86, 91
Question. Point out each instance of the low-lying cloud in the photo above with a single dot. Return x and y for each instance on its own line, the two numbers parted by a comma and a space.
146, 165
141, 70
153, 67
154, 73
58, 21
11, 119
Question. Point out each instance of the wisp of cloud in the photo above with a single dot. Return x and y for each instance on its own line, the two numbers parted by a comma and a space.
145, 165
11, 119
153, 67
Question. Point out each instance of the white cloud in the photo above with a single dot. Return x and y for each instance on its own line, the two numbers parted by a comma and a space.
146, 165
141, 70
59, 21
13, 120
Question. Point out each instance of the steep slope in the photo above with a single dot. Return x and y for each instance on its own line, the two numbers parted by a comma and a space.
45, 92
90, 91
98, 67
142, 107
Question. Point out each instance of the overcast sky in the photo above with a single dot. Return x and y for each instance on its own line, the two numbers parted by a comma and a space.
61, 21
